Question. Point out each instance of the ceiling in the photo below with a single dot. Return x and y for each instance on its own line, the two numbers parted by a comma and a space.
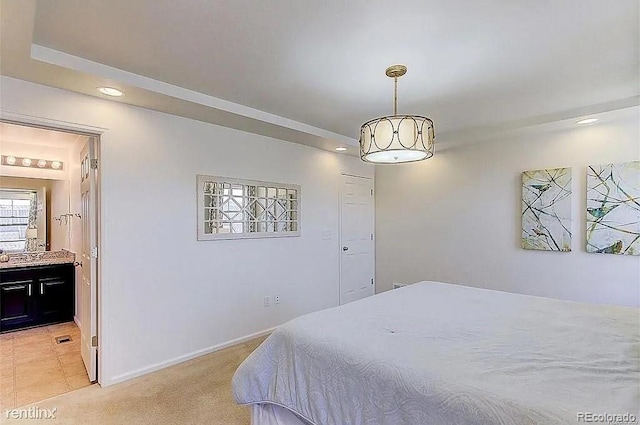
27, 135
313, 71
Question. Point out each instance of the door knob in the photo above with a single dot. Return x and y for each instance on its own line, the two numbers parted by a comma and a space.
345, 248
78, 264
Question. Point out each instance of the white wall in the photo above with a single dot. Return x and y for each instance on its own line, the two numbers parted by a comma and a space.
59, 205
165, 295
456, 217
74, 228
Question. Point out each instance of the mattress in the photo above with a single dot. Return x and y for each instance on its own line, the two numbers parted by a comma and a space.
440, 354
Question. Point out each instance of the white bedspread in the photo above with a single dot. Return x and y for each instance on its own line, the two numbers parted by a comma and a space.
439, 354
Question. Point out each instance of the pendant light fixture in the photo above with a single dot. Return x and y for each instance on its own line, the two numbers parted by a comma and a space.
396, 138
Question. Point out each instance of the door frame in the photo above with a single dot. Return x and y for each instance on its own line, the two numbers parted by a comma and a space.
340, 245
98, 134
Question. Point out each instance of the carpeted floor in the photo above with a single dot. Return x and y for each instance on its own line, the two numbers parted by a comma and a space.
194, 392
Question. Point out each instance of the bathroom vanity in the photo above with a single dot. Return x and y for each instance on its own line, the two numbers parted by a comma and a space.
37, 289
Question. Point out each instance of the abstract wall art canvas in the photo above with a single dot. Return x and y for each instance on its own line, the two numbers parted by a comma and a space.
546, 209
613, 208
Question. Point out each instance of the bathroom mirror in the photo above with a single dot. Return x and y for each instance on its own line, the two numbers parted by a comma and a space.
29, 209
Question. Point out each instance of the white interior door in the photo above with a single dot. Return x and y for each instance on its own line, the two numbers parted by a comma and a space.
356, 239
89, 255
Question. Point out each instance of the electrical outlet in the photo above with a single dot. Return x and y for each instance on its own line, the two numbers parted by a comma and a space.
267, 301
276, 299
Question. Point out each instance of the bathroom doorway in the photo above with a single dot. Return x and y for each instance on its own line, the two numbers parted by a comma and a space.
49, 182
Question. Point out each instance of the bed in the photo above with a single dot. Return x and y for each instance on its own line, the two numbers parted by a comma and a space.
441, 354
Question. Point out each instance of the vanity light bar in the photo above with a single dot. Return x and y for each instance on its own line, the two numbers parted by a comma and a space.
18, 161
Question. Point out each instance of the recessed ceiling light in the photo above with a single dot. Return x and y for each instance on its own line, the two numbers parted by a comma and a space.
341, 149
587, 121
110, 91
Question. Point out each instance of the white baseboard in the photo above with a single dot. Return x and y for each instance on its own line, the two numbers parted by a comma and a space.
180, 359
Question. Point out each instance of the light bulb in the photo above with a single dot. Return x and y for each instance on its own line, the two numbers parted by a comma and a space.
110, 91
26, 162
42, 163
55, 164
11, 160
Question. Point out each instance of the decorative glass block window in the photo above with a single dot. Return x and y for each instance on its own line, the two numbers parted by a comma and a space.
236, 209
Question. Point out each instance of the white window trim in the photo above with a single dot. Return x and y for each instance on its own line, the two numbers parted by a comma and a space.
202, 236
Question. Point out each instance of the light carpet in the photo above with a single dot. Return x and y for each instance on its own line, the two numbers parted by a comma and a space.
194, 392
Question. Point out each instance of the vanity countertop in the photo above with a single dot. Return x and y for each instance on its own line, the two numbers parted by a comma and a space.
32, 259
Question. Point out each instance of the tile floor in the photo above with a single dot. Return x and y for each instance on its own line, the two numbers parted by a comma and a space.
34, 367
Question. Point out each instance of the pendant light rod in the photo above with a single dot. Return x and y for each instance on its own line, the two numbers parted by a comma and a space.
395, 96
395, 72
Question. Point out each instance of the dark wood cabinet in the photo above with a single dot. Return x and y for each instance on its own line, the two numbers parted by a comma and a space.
31, 296
16, 308
55, 299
